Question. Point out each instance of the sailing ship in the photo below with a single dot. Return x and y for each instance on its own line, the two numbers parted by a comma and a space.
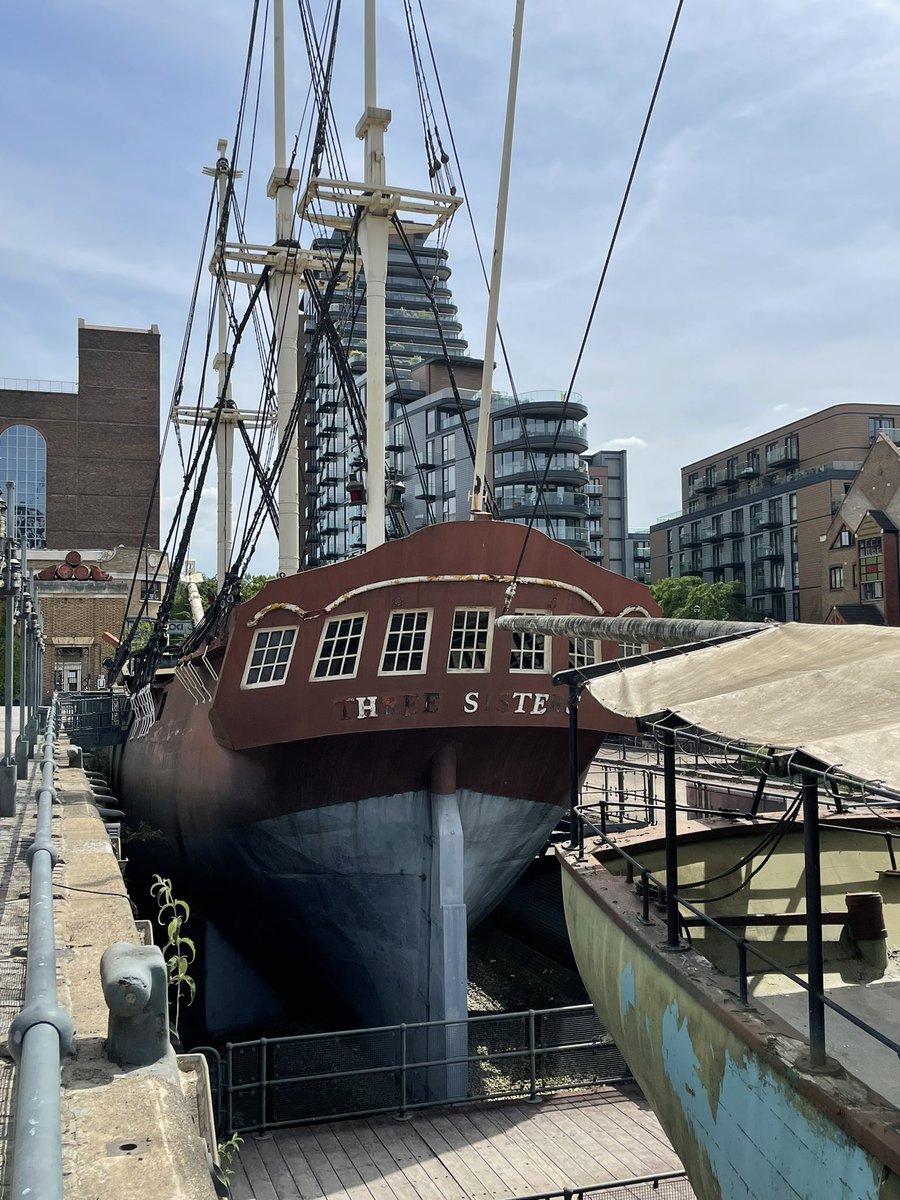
353, 766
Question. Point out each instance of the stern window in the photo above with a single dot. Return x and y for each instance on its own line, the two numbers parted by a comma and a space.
406, 643
470, 640
338, 655
583, 652
270, 657
529, 650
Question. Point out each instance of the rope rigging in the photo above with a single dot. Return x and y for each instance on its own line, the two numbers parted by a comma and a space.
606, 262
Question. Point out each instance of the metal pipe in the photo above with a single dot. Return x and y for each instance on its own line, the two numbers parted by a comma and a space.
22, 748
42, 1032
37, 1151
671, 804
813, 882
574, 794
661, 631
532, 1064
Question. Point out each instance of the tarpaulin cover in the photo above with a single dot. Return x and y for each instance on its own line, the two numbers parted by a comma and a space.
831, 691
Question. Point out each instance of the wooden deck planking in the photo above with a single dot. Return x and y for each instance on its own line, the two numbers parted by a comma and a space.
477, 1152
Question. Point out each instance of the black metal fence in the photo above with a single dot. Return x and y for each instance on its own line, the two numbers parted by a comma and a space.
670, 1185
94, 719
399, 1068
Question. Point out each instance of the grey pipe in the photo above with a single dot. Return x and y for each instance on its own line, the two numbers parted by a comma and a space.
42, 1032
659, 631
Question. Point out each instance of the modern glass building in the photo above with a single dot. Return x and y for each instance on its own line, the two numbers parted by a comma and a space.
330, 456
23, 461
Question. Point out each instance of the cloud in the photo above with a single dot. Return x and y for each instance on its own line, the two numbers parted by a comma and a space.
625, 443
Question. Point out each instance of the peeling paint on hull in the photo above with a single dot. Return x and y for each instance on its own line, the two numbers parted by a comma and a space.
744, 1128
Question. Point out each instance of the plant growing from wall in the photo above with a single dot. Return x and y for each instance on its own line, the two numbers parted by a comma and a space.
179, 951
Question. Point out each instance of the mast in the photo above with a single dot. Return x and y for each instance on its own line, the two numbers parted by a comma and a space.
225, 429
490, 333
373, 244
284, 299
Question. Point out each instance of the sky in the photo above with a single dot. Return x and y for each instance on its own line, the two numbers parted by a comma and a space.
756, 276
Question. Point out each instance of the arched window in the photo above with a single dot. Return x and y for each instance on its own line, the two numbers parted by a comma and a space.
23, 460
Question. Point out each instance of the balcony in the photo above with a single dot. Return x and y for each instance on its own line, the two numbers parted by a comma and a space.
733, 532
702, 487
690, 537
773, 519
769, 548
712, 532
782, 456
750, 469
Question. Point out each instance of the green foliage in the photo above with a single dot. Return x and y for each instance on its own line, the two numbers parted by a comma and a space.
688, 596
181, 609
228, 1152
179, 951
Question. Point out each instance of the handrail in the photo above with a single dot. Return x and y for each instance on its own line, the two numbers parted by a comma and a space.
410, 1056
42, 1031
742, 944
609, 1185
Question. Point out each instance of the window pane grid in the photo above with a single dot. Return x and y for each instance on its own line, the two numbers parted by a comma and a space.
583, 653
469, 640
404, 648
529, 650
339, 653
269, 657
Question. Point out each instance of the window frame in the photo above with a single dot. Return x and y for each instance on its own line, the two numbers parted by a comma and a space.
489, 647
574, 654
429, 625
249, 665
313, 677
836, 578
547, 669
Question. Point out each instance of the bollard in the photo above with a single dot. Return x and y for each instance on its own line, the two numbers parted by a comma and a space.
135, 986
76, 758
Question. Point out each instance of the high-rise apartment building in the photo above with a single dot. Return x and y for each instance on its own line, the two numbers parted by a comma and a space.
756, 512
333, 452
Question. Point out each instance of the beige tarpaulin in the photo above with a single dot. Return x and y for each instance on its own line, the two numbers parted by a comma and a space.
832, 691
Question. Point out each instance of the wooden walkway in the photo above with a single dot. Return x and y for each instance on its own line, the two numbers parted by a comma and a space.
477, 1152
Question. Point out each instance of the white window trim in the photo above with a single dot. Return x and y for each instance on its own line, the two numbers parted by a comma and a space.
425, 648
488, 650
547, 669
287, 666
313, 678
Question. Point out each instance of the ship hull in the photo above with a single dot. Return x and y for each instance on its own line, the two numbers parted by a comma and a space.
377, 796
731, 1086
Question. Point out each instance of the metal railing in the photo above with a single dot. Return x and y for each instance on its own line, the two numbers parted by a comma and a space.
669, 898
665, 1185
38, 385
93, 719
402, 1068
42, 1032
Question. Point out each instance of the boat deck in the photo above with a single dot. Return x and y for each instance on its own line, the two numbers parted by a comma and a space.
474, 1152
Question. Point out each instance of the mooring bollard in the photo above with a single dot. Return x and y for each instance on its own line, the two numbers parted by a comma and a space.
135, 985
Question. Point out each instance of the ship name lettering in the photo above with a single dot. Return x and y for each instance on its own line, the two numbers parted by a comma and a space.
540, 702
366, 707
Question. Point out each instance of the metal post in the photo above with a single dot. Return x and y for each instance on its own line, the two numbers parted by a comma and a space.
672, 923
22, 748
263, 1084
742, 970
574, 795
404, 1052
813, 880
532, 1065
229, 1088
8, 767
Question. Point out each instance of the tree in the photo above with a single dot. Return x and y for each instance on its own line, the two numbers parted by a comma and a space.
688, 596
208, 587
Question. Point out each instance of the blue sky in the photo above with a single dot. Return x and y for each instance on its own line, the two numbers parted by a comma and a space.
758, 269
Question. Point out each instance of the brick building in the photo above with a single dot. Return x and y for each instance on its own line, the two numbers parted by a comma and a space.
861, 564
758, 512
85, 595
84, 458
84, 455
